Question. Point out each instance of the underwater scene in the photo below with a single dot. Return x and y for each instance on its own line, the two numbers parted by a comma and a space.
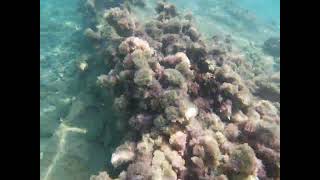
159, 89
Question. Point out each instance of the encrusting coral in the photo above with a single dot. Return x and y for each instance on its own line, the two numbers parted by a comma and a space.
192, 115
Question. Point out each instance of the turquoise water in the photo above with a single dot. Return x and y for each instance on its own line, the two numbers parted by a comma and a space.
78, 127
269, 11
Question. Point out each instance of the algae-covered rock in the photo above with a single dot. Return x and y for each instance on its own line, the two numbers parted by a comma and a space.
242, 160
161, 169
123, 154
101, 176
193, 33
121, 20
212, 150
169, 97
174, 77
185, 105
166, 11
143, 77
173, 26
153, 30
172, 113
133, 43
139, 170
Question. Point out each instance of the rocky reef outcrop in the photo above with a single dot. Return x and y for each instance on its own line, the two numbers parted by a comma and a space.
191, 115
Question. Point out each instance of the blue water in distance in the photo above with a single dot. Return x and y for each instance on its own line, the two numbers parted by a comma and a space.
268, 10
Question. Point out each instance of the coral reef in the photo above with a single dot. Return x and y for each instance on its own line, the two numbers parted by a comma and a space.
121, 21
267, 87
191, 115
123, 154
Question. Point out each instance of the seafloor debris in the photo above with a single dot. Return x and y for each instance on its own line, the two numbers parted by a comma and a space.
192, 115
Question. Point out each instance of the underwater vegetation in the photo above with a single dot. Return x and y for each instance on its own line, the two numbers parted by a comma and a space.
190, 109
